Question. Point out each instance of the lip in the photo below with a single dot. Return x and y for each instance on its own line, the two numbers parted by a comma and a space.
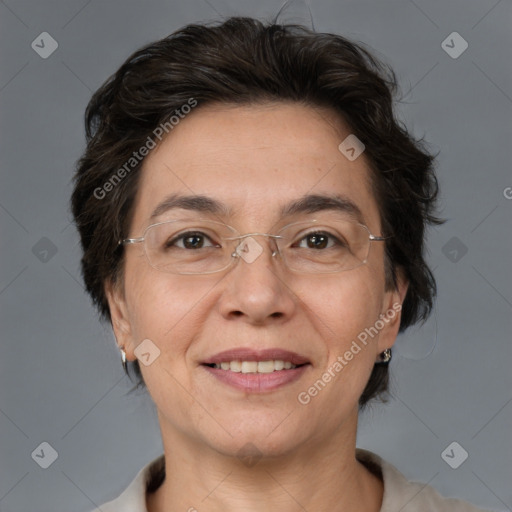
257, 382
248, 354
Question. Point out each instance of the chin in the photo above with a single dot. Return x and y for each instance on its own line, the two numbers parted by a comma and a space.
258, 439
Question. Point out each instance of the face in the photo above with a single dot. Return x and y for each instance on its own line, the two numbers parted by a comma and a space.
254, 161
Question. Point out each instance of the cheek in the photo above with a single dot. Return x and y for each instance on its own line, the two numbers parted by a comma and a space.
343, 305
164, 307
341, 309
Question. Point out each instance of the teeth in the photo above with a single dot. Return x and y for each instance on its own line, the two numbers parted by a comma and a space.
249, 366
234, 366
265, 366
255, 366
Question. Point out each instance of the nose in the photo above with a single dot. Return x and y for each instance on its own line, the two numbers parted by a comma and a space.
255, 289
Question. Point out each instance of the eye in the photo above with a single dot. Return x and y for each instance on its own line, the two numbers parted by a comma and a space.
319, 240
191, 240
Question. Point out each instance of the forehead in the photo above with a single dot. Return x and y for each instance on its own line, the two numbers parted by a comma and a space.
255, 160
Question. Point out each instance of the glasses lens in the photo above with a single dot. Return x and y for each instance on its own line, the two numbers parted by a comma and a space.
188, 247
204, 246
324, 247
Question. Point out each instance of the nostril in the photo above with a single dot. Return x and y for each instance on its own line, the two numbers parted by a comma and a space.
277, 314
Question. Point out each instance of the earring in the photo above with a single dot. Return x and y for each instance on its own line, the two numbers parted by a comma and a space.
385, 357
123, 359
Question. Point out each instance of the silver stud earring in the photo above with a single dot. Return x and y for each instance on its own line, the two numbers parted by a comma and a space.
123, 359
385, 357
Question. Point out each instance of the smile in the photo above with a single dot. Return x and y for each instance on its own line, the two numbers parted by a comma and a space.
254, 366
256, 376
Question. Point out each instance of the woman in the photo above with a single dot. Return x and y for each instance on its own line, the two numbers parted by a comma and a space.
252, 219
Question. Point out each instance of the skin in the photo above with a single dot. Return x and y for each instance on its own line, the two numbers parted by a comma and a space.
255, 159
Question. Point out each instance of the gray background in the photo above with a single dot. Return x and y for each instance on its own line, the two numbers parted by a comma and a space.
61, 380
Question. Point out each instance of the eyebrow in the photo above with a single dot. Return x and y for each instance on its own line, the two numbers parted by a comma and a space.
309, 203
198, 203
313, 203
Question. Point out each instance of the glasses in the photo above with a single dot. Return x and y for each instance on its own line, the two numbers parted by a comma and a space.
186, 246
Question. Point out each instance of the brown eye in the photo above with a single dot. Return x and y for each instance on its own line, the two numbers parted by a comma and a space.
191, 240
318, 240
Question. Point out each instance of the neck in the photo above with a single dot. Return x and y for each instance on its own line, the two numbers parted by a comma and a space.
318, 475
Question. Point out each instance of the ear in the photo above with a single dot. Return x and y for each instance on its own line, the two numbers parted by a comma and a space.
120, 317
391, 313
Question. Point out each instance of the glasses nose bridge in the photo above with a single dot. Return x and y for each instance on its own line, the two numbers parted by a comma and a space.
271, 237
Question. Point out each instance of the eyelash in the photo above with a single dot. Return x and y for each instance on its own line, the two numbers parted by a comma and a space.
331, 236
182, 236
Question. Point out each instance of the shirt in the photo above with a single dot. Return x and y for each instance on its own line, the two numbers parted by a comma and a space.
400, 495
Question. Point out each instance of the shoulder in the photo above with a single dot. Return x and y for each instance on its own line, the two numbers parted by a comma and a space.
133, 498
401, 494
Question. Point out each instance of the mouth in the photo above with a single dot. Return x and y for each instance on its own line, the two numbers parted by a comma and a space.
270, 366
256, 371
